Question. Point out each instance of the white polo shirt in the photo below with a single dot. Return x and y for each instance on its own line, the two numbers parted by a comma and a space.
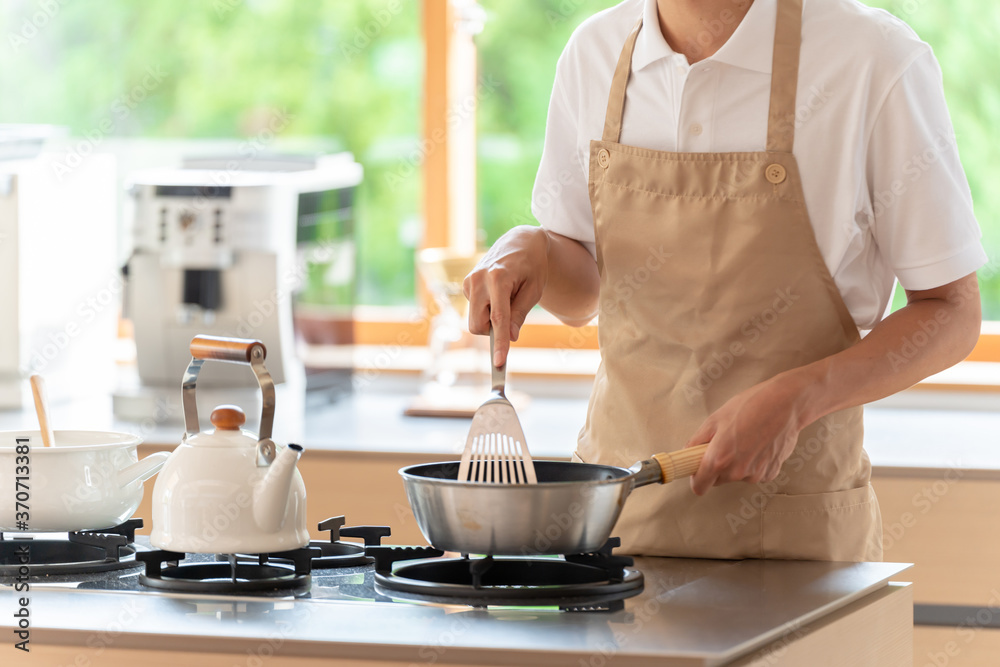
883, 184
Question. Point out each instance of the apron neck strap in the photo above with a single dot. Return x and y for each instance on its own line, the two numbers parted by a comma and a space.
784, 76
616, 101
784, 80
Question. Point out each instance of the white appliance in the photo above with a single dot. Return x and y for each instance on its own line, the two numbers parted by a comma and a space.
215, 253
58, 266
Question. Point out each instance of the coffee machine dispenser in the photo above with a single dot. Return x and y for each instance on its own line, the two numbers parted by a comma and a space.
215, 252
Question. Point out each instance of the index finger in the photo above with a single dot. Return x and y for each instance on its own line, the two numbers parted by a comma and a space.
500, 319
499, 339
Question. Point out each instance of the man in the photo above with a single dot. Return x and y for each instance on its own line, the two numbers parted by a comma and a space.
734, 185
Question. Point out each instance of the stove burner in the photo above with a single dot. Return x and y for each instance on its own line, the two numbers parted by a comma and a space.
82, 552
346, 554
337, 554
581, 582
235, 576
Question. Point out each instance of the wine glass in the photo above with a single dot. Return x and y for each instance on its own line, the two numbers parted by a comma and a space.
443, 271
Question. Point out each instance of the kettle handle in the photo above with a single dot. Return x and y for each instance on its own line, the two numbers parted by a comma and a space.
236, 350
233, 350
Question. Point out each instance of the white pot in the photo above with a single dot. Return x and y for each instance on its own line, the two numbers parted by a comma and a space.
88, 480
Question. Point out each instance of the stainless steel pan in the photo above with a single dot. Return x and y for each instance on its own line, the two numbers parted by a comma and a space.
572, 509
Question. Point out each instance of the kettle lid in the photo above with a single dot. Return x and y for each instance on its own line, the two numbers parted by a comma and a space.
228, 418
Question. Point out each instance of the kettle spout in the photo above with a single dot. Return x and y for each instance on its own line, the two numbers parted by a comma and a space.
270, 495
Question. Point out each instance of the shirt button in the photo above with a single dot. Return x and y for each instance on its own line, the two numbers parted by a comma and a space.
775, 173
695, 129
604, 158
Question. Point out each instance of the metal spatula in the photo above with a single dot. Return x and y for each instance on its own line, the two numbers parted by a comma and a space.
495, 451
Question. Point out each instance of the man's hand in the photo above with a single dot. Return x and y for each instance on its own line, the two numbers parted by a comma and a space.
530, 265
750, 436
755, 432
506, 284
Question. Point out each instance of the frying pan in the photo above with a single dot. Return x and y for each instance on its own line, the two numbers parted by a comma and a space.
571, 510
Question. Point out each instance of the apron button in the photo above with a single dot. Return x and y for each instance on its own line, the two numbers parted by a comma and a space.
775, 173
604, 158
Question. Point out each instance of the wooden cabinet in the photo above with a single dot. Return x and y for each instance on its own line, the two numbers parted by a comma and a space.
946, 521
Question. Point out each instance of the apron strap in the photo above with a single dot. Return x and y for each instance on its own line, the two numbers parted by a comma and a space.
784, 76
616, 101
784, 80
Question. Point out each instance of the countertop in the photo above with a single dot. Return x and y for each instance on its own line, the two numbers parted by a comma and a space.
371, 420
692, 612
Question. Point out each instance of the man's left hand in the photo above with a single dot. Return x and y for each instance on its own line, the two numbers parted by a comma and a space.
751, 435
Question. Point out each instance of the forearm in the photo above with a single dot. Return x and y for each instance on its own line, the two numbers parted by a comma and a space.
928, 335
573, 283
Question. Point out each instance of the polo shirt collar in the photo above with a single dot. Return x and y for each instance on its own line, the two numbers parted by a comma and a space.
750, 47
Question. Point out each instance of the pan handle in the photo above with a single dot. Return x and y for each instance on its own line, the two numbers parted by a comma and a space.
667, 467
683, 463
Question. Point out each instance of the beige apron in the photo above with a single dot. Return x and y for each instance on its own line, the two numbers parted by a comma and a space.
712, 282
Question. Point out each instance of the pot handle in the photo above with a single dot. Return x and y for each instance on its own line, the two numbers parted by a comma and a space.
142, 470
667, 467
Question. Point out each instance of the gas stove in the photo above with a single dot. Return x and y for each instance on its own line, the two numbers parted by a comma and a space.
332, 569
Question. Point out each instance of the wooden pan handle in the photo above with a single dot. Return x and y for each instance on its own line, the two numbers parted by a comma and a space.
683, 463
238, 350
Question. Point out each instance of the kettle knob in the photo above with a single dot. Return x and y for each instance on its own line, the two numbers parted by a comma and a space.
228, 418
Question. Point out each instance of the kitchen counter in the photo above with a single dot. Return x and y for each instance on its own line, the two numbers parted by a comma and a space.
692, 612
372, 421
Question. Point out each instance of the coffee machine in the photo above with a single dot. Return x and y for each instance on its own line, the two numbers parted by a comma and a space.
217, 251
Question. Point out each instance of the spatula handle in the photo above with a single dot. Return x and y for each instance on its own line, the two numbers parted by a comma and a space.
683, 463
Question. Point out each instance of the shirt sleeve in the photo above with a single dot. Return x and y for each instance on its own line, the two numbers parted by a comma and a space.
560, 200
924, 223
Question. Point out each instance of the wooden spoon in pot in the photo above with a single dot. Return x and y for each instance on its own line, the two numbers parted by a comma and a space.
42, 408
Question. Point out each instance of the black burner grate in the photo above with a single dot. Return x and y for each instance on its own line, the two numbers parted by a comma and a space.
335, 554
597, 581
81, 552
279, 571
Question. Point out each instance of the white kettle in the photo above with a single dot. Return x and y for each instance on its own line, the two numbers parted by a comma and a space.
228, 491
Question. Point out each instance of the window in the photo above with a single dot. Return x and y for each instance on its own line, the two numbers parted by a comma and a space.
518, 50
965, 46
153, 80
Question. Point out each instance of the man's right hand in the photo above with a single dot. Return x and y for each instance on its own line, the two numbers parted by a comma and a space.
530, 265
506, 284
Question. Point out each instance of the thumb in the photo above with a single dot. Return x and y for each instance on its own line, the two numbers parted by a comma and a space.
703, 435
706, 475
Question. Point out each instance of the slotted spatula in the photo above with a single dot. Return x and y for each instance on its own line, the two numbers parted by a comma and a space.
495, 451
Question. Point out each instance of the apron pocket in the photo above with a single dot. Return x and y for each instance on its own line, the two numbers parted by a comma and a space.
836, 526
